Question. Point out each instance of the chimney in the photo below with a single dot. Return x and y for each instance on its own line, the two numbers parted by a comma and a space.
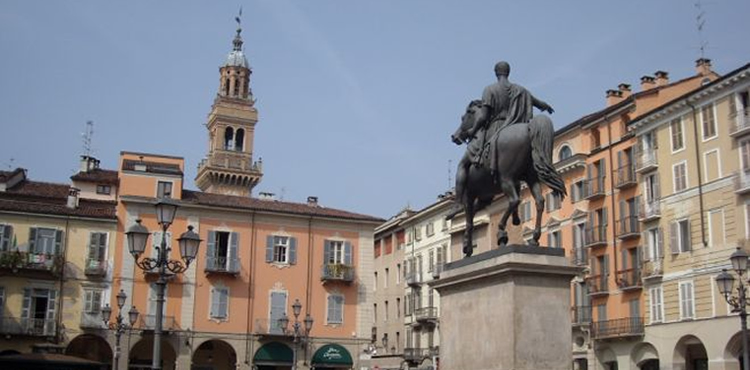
647, 83
266, 196
88, 163
624, 90
613, 97
73, 197
703, 66
312, 201
662, 78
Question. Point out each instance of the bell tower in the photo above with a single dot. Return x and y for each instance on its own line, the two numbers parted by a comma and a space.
229, 168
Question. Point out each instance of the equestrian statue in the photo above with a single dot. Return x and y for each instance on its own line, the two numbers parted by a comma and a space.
506, 144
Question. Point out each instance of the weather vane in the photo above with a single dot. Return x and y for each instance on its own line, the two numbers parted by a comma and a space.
238, 18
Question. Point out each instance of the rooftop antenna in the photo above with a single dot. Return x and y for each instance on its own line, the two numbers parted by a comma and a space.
282, 193
700, 23
10, 163
87, 136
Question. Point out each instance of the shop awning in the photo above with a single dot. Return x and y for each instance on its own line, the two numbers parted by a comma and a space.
273, 353
332, 355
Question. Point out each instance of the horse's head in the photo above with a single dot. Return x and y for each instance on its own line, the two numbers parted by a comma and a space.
467, 122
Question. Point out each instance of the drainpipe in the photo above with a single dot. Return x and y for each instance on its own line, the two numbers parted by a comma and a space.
310, 250
612, 196
700, 178
249, 344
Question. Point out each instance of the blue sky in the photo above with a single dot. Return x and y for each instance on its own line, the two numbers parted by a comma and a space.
357, 99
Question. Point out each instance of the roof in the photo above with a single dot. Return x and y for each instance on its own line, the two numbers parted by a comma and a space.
98, 176
51, 199
6, 175
254, 204
153, 167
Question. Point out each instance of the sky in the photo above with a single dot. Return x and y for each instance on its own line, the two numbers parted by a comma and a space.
357, 99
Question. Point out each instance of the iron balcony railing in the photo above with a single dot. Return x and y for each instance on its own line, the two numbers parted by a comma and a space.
268, 327
337, 272
223, 265
95, 267
414, 354
740, 122
579, 256
626, 177
229, 159
413, 278
646, 160
17, 262
742, 182
618, 328
597, 285
594, 188
629, 279
91, 320
581, 315
25, 326
596, 236
426, 314
628, 227
653, 269
148, 322
650, 210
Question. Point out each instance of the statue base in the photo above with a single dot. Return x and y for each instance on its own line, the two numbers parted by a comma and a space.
506, 309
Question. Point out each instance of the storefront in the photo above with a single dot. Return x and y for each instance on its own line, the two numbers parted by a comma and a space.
273, 356
332, 356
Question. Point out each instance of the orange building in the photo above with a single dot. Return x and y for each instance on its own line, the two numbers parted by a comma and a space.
257, 257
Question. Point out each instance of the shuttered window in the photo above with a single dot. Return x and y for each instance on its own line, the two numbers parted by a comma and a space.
656, 313
6, 237
92, 301
281, 249
687, 303
219, 303
335, 309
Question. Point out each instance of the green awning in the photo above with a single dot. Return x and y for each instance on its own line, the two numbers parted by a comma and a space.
332, 355
273, 353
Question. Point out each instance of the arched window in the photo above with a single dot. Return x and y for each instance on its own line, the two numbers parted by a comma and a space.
239, 139
565, 153
226, 87
228, 138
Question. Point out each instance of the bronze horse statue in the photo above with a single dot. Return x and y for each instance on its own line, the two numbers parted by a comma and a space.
522, 152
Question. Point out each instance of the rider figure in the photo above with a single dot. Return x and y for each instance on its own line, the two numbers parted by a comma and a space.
503, 103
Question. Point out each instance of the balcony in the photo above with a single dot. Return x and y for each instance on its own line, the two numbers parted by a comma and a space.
626, 177
230, 159
649, 211
740, 123
433, 351
31, 264
436, 270
629, 279
414, 354
413, 278
646, 161
92, 320
95, 268
148, 322
628, 228
597, 285
618, 328
579, 257
596, 236
653, 269
580, 315
426, 314
222, 265
337, 272
594, 188
27, 327
742, 182
268, 327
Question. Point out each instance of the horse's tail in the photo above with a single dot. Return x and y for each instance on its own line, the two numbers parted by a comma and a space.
542, 134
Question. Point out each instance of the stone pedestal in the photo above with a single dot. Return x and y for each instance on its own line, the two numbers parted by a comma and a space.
506, 309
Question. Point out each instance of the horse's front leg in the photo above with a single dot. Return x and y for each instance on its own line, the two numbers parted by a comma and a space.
469, 232
510, 192
536, 191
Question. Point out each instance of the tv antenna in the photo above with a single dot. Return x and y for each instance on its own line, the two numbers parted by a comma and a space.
10, 162
87, 137
700, 23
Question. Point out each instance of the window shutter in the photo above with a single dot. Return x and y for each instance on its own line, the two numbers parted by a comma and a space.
602, 170
689, 241
224, 302
589, 171
292, 250
605, 265
58, 242
646, 246
93, 246
234, 242
327, 251
211, 245
673, 239
269, 248
88, 301
348, 253
32, 239
26, 306
214, 302
592, 265
619, 159
331, 308
624, 256
49, 326
96, 301
636, 207
549, 239
605, 219
660, 242
623, 216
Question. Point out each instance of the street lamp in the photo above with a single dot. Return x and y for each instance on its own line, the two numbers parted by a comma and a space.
137, 236
725, 281
300, 333
119, 326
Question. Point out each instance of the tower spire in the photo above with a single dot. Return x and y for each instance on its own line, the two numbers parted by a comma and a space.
238, 38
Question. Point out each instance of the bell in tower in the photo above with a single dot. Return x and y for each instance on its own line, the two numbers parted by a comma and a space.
229, 167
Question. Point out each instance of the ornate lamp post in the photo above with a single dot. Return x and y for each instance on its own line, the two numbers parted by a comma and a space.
300, 334
119, 326
189, 241
725, 281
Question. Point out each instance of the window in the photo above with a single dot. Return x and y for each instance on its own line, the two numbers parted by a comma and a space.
385, 312
97, 250
576, 191
553, 202
444, 225
337, 252
429, 229
716, 234
40, 306
418, 233
655, 305
45, 241
679, 172
687, 303
219, 303
281, 249
709, 122
335, 309
679, 235
431, 260
601, 312
375, 281
92, 301
6, 237
678, 140
654, 244
221, 251
525, 211
103, 189
554, 239
398, 307
651, 190
375, 312
565, 153
164, 189
386, 277
711, 165
745, 155
398, 274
